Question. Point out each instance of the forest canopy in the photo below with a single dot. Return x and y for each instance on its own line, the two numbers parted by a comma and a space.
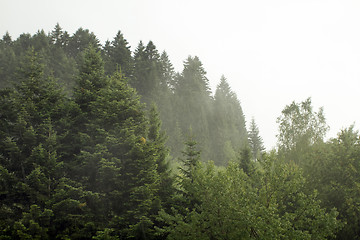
99, 142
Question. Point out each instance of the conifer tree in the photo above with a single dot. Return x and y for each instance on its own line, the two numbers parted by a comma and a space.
147, 72
140, 68
245, 161
82, 132
115, 157
193, 101
255, 141
59, 64
158, 139
189, 165
228, 123
8, 61
192, 159
81, 40
57, 35
118, 56
168, 73
29, 161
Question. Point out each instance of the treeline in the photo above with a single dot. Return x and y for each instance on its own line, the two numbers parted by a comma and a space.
184, 99
89, 160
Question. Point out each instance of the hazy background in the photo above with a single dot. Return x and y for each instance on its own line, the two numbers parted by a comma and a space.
271, 51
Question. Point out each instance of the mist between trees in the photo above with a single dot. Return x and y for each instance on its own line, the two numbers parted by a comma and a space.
98, 142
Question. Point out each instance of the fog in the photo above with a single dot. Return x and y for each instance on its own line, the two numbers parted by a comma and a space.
271, 52
159, 119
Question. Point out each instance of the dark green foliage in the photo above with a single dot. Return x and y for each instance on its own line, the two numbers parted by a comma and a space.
91, 79
189, 165
245, 160
92, 163
191, 159
104, 149
157, 138
29, 162
118, 56
147, 72
81, 40
333, 169
114, 154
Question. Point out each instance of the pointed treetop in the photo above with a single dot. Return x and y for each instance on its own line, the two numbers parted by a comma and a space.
223, 89
7, 38
255, 141
57, 35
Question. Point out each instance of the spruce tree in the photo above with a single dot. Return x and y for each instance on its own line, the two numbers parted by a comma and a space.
118, 56
192, 100
245, 161
147, 72
228, 131
167, 70
190, 162
140, 69
158, 139
80, 41
30, 165
8, 61
255, 141
115, 157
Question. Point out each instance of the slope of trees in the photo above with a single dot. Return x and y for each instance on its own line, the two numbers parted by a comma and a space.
95, 144
183, 99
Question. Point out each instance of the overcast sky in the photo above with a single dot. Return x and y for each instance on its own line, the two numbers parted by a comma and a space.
271, 51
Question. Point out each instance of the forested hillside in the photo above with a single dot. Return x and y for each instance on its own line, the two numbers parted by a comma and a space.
99, 142
184, 100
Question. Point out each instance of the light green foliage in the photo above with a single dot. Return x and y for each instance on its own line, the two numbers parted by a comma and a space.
34, 224
299, 128
271, 204
92, 165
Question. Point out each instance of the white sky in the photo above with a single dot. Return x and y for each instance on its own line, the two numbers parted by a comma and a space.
271, 51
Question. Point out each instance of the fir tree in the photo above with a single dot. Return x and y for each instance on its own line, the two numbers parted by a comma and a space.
29, 161
190, 162
228, 130
255, 141
158, 139
80, 41
147, 72
118, 56
192, 101
245, 162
